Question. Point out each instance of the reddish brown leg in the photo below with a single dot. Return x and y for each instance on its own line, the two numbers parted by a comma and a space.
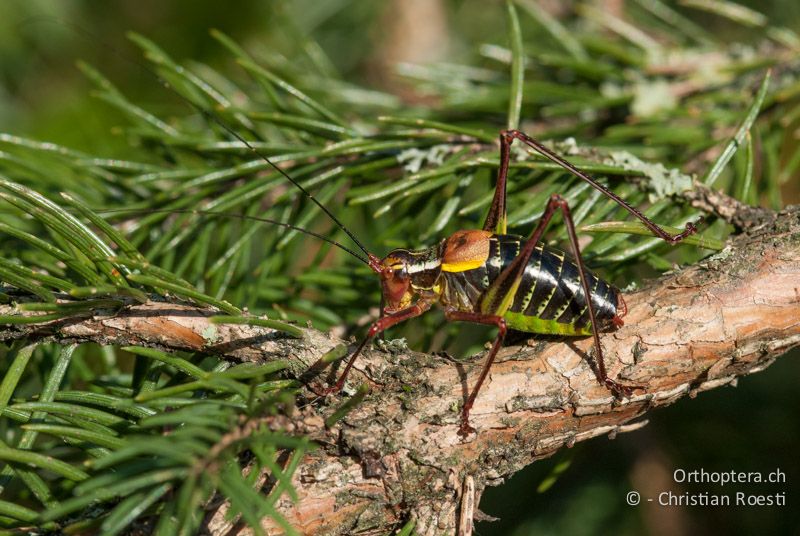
496, 219
556, 201
381, 335
383, 323
498, 297
478, 318
497, 209
622, 310
614, 386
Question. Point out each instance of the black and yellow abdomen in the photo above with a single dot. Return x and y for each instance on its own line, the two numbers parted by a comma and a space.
549, 298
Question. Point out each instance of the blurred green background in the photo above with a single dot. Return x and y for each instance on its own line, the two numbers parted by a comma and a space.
755, 427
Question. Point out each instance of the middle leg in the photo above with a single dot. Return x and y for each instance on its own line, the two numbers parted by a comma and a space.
478, 318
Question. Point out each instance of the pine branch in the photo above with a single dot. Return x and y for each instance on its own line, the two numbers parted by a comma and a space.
203, 400
397, 455
697, 329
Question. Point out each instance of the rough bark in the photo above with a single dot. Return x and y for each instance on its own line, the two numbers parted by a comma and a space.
398, 456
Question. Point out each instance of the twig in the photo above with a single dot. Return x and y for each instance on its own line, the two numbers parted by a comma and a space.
398, 455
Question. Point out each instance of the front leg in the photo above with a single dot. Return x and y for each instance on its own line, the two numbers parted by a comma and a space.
383, 323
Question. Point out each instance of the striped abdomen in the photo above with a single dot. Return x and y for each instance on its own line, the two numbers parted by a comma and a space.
549, 298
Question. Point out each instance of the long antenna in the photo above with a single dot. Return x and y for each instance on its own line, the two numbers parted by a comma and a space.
234, 216
221, 123
216, 119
